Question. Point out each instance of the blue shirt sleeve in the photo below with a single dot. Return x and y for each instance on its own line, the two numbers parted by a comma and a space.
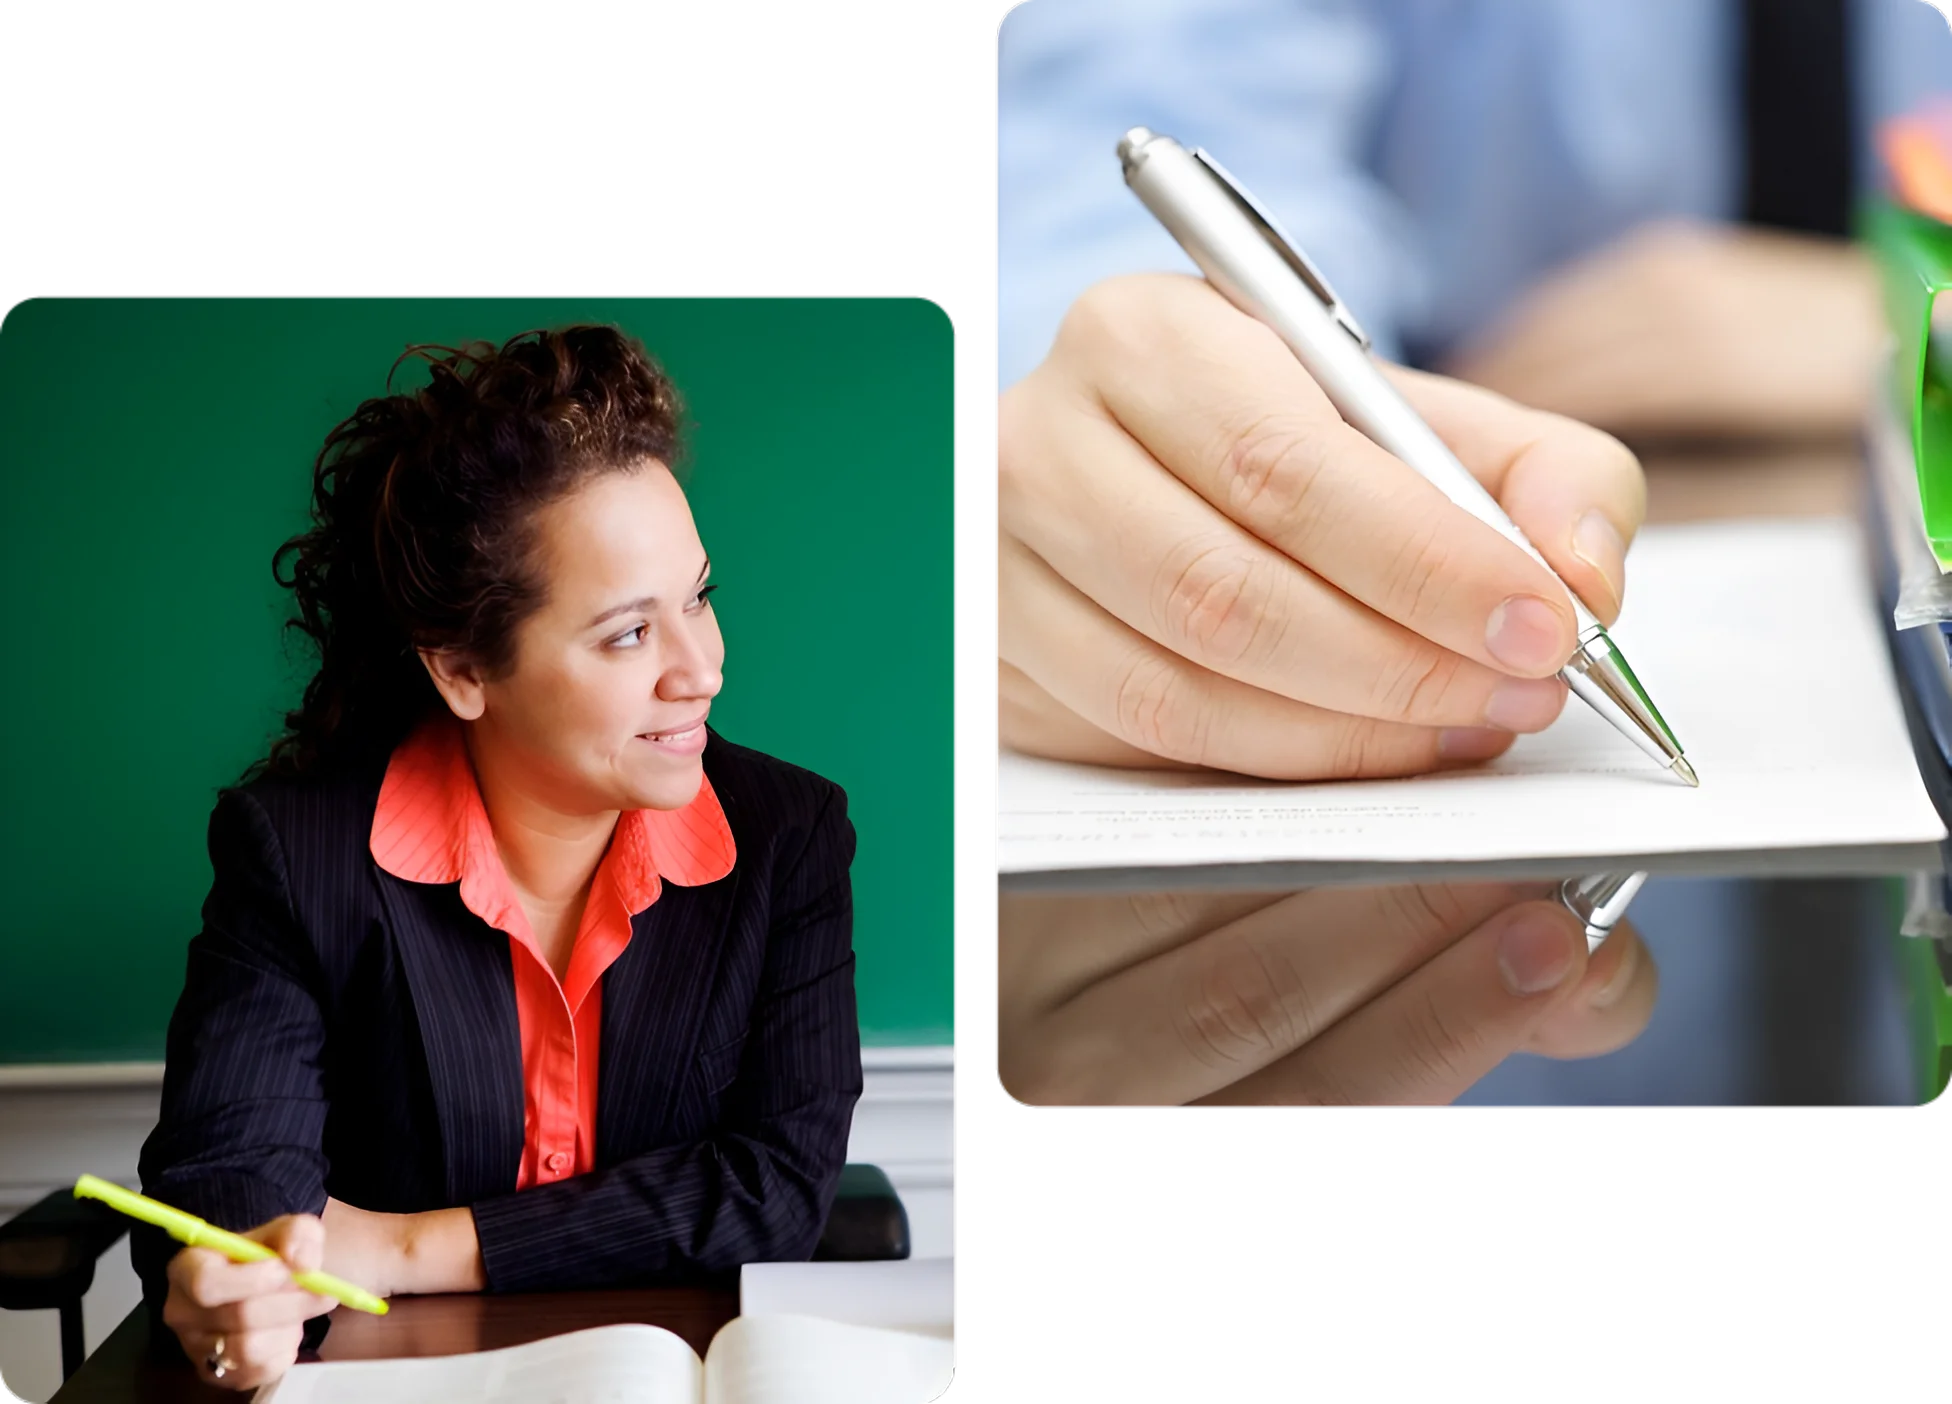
1285, 93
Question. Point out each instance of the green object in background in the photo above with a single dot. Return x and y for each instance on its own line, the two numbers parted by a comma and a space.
1925, 967
153, 454
1914, 256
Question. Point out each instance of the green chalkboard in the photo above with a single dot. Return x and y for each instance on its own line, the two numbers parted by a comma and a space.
153, 454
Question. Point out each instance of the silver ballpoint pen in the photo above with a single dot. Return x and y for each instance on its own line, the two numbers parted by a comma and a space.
1248, 260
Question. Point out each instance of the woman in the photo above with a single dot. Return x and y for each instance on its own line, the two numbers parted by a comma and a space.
513, 975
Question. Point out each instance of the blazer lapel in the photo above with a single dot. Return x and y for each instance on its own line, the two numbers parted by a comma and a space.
654, 997
464, 997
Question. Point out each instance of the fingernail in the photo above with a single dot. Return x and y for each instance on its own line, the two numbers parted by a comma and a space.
1596, 542
1534, 953
1525, 704
1525, 633
1610, 992
1471, 743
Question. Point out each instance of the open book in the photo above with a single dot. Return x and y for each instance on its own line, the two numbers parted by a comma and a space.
752, 1360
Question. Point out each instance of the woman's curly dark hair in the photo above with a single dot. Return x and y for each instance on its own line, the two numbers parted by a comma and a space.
423, 510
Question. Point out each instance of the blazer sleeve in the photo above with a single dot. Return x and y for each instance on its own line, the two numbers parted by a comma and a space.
756, 1190
243, 1110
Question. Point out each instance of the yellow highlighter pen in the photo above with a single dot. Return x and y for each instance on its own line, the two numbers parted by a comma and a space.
189, 1229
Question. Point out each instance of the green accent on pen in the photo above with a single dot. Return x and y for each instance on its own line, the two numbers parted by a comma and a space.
189, 1229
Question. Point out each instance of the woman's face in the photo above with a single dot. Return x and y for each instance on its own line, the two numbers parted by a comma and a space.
605, 705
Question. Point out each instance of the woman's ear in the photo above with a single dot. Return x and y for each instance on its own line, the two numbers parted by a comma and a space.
458, 681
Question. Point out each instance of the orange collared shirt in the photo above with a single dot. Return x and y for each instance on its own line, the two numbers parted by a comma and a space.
430, 826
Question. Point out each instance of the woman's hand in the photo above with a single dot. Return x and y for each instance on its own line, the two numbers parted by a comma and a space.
1684, 328
246, 1319
1202, 564
1334, 995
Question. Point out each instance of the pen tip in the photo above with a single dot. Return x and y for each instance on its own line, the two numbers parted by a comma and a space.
1681, 768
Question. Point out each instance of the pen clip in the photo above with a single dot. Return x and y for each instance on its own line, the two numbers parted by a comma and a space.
1279, 241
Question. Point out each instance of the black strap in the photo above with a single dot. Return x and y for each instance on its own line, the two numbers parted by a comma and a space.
1797, 114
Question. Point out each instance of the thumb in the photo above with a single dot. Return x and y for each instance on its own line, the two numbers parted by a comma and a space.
297, 1238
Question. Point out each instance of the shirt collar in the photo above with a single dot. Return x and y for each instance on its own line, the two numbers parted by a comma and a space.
430, 826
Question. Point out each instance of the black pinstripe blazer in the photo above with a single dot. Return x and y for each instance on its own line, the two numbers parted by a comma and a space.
345, 1032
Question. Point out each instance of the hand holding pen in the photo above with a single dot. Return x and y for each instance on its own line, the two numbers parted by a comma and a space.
1255, 266
238, 1302
1205, 560
241, 1323
1203, 563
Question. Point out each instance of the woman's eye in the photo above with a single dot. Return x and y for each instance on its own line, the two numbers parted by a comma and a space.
635, 637
702, 598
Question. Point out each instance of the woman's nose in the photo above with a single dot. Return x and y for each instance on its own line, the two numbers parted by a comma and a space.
692, 669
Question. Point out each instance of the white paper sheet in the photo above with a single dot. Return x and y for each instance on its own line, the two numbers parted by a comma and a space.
914, 1294
1760, 643
805, 1360
603, 1365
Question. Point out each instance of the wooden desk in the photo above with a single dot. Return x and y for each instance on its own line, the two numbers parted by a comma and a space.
122, 1371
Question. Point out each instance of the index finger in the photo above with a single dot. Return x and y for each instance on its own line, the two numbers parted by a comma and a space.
1232, 414
1576, 492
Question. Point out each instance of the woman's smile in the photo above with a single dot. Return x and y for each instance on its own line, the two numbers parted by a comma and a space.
685, 739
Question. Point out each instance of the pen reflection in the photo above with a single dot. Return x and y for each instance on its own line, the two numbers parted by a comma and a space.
1405, 993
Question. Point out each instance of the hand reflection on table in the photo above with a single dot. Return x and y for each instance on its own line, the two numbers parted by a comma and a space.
1353, 995
447, 1324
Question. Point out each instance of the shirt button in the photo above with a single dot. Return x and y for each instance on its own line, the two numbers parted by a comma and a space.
559, 1161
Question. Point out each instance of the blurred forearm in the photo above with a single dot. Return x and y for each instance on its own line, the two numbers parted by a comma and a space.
1690, 329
